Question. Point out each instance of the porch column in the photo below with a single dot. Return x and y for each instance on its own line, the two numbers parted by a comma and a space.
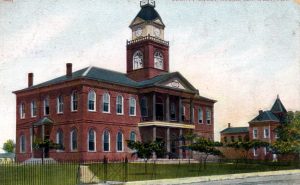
180, 110
168, 108
154, 139
154, 107
43, 138
168, 141
191, 112
31, 141
180, 144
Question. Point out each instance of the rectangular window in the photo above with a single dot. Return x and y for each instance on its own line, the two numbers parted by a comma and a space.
173, 111
255, 152
240, 138
255, 132
132, 107
232, 138
119, 105
266, 132
182, 112
200, 115
22, 110
33, 109
60, 104
144, 105
46, 106
266, 150
208, 116
74, 101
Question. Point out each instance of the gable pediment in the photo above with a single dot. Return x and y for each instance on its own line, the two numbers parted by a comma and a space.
174, 83
177, 81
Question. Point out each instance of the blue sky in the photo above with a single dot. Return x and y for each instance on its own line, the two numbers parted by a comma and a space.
241, 53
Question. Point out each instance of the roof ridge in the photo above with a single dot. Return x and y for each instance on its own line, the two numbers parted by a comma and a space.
87, 70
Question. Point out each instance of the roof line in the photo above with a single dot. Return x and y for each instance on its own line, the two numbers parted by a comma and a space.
87, 70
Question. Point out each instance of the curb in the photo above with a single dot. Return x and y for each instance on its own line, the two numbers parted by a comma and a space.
212, 178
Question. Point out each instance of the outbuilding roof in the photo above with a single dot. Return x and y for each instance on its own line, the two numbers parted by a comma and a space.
235, 130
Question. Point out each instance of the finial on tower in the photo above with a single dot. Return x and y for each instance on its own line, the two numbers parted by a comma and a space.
277, 96
147, 2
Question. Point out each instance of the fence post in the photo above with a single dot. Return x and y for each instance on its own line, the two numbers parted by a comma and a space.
105, 168
126, 169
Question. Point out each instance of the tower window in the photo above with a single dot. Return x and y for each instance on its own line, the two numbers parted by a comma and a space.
137, 60
158, 60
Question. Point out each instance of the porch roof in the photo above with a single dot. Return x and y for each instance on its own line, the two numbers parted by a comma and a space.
43, 121
166, 124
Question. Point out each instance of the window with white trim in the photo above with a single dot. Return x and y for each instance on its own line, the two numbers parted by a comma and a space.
119, 104
33, 108
74, 101
132, 136
91, 140
119, 142
22, 110
255, 133
60, 138
92, 100
208, 116
46, 106
106, 141
255, 152
266, 150
266, 133
106, 103
137, 60
200, 115
74, 143
59, 104
22, 144
158, 60
132, 106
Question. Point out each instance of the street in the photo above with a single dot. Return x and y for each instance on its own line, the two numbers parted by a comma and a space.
268, 180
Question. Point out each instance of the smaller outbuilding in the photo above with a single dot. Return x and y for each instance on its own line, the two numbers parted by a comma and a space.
232, 134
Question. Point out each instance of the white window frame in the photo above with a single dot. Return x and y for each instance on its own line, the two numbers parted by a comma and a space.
158, 56
59, 104
71, 140
132, 103
93, 99
255, 153
122, 105
103, 141
136, 53
208, 116
132, 133
46, 104
22, 110
88, 140
117, 142
200, 115
104, 101
57, 138
265, 135
21, 143
72, 101
255, 136
33, 108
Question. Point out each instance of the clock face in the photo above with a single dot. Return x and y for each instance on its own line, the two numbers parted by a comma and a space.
138, 32
156, 32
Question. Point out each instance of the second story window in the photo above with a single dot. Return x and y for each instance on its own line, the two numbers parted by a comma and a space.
46, 106
22, 110
106, 103
266, 132
74, 101
208, 116
33, 109
225, 139
92, 101
119, 103
59, 104
144, 107
255, 132
173, 111
200, 115
132, 107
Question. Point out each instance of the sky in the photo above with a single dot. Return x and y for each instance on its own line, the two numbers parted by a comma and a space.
241, 53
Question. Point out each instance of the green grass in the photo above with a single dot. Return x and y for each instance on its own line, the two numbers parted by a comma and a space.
136, 171
38, 174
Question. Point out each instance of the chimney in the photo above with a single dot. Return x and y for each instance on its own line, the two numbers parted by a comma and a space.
260, 112
229, 125
30, 79
69, 70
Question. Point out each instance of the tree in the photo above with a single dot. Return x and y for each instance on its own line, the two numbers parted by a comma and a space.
43, 144
205, 147
145, 150
9, 146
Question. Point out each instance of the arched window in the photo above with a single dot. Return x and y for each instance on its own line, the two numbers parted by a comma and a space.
74, 101
132, 106
208, 116
132, 136
22, 110
92, 100
60, 104
119, 142
33, 109
46, 106
144, 107
22, 144
106, 141
200, 115
137, 60
91, 140
119, 102
158, 60
74, 142
60, 138
106, 103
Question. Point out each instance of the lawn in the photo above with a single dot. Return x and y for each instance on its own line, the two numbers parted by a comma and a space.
38, 174
136, 171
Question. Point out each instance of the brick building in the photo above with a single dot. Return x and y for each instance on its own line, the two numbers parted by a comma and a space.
93, 111
232, 134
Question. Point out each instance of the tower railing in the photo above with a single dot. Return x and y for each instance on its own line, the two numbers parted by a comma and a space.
148, 37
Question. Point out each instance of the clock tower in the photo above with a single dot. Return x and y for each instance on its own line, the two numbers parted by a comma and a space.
147, 52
